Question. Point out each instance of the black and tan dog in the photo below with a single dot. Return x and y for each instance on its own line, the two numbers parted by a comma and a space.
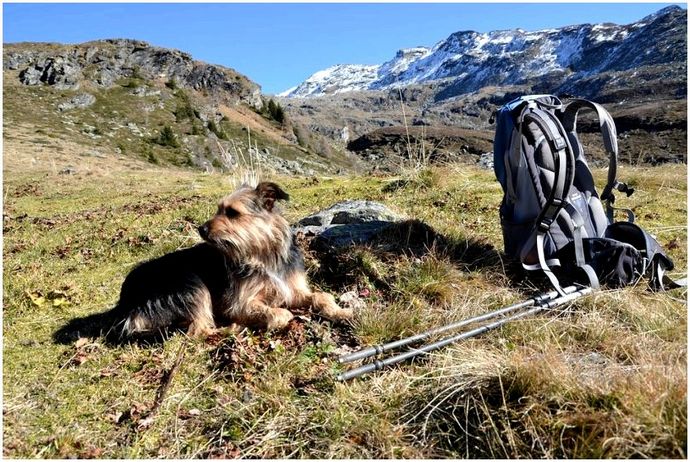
248, 272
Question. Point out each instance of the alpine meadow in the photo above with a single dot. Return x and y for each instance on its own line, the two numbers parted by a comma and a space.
117, 152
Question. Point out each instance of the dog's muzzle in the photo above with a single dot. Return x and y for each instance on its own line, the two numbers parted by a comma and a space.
203, 231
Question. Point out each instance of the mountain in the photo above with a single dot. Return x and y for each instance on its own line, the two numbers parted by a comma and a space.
557, 59
128, 97
440, 100
103, 62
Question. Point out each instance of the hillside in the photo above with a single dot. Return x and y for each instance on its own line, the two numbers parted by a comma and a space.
637, 71
126, 97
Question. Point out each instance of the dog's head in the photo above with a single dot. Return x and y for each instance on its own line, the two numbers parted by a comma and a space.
248, 224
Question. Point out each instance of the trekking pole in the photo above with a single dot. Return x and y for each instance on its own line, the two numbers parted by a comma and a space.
378, 349
380, 364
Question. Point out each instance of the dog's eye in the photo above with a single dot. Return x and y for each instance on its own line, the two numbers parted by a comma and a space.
231, 213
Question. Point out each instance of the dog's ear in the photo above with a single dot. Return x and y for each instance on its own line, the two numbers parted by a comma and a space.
269, 193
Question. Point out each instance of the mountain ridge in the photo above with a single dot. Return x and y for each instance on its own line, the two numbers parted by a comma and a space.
469, 60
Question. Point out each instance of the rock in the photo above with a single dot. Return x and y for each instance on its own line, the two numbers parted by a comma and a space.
15, 60
145, 91
79, 101
351, 300
347, 222
486, 161
69, 170
106, 77
134, 129
58, 71
31, 76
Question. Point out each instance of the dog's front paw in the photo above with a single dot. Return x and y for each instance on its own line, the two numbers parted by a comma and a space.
278, 318
327, 307
342, 314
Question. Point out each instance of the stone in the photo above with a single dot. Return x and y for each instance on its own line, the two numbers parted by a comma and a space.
145, 91
57, 71
31, 76
347, 222
15, 60
79, 101
69, 170
486, 161
351, 300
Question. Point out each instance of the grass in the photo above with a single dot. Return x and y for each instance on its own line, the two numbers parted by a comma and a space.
137, 124
606, 378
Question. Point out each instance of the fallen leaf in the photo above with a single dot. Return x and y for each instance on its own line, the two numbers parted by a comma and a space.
115, 417
145, 423
36, 298
92, 452
79, 359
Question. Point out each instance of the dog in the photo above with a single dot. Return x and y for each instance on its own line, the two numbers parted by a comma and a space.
248, 272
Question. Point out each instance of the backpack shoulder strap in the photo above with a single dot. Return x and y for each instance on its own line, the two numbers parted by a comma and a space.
564, 163
563, 159
608, 131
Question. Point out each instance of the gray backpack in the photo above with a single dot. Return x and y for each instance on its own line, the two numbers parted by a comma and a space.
551, 214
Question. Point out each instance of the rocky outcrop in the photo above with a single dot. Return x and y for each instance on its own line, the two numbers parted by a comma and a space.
79, 101
58, 71
432, 144
105, 62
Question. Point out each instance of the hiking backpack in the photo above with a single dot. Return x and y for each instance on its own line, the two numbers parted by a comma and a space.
551, 214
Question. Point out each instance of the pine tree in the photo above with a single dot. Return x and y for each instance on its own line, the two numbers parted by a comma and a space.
168, 138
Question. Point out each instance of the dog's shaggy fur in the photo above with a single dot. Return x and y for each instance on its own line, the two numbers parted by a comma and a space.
247, 272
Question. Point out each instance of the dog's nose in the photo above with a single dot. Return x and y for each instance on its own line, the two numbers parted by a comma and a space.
203, 231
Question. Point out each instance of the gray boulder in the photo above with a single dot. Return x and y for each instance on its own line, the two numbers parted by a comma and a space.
14, 61
348, 222
79, 101
486, 161
58, 71
31, 76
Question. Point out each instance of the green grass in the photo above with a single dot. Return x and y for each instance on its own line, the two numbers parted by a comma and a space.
135, 124
605, 379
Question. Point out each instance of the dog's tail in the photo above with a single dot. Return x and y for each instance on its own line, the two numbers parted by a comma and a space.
93, 325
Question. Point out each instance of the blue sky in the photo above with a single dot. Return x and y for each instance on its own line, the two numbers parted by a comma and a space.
280, 45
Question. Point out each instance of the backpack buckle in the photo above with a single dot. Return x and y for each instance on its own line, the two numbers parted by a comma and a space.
545, 225
559, 143
553, 208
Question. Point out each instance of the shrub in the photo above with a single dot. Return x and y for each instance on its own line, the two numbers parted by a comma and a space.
184, 111
133, 83
168, 138
216, 130
198, 129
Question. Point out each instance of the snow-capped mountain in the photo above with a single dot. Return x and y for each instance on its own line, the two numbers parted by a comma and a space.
468, 60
